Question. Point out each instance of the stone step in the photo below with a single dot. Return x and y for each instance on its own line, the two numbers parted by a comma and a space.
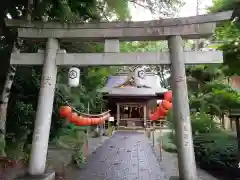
130, 128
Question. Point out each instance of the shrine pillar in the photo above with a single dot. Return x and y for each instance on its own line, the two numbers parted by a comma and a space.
44, 110
181, 111
145, 115
113, 46
118, 114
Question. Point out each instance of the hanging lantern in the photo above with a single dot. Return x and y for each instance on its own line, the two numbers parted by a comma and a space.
166, 104
79, 121
162, 111
99, 120
153, 116
168, 96
88, 121
73, 77
163, 108
73, 117
139, 77
82, 121
94, 121
65, 111
102, 121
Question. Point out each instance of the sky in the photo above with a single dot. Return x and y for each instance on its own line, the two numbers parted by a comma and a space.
189, 9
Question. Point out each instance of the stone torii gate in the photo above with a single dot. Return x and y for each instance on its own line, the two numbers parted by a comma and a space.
173, 30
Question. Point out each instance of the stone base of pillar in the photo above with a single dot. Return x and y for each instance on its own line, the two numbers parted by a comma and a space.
176, 178
50, 175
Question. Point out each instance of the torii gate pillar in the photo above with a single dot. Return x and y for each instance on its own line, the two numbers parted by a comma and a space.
44, 110
181, 111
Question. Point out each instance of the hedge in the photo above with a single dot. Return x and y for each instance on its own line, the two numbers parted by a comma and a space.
217, 152
214, 152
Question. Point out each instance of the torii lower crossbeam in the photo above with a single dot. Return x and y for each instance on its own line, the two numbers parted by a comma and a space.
117, 59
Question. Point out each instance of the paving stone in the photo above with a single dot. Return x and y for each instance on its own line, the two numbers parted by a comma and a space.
130, 156
125, 156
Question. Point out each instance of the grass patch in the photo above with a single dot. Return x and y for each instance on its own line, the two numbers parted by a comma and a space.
167, 141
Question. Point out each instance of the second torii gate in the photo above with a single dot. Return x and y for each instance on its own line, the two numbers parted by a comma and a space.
172, 30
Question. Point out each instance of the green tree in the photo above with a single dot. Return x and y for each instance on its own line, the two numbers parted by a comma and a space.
23, 97
70, 10
228, 34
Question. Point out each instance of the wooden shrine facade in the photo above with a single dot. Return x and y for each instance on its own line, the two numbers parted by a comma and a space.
129, 104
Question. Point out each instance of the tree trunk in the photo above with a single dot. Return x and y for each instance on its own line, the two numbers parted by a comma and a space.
223, 120
160, 71
4, 104
7, 73
238, 136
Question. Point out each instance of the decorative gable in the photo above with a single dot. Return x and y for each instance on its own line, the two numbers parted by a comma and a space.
130, 82
124, 84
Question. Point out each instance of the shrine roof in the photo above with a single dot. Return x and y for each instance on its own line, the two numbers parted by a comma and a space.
117, 86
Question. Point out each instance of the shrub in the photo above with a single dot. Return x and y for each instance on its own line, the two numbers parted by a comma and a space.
216, 151
169, 147
168, 142
203, 123
72, 139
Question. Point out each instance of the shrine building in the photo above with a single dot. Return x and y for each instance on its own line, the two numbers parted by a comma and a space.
130, 95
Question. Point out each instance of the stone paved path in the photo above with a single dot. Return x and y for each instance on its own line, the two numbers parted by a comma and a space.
125, 156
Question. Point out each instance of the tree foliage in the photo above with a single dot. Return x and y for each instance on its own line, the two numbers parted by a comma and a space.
227, 34
211, 96
160, 8
208, 86
24, 92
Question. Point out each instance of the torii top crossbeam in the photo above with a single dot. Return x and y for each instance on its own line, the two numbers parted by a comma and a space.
188, 27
